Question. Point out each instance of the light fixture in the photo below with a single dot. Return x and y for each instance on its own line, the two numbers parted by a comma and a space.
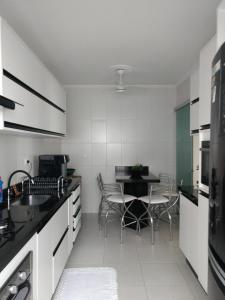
120, 71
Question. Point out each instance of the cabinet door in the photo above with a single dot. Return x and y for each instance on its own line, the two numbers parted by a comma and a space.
34, 112
206, 58
184, 219
60, 224
21, 62
203, 218
59, 260
193, 235
194, 85
44, 255
194, 116
189, 231
70, 218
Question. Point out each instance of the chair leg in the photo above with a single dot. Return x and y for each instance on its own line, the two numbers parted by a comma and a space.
152, 229
121, 229
106, 220
170, 222
100, 215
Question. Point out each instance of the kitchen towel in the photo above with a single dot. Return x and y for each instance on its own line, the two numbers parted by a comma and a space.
87, 284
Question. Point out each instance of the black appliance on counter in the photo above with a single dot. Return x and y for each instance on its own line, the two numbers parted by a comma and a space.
216, 286
53, 165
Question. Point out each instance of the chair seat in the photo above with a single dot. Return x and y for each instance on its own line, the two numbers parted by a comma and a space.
119, 199
155, 199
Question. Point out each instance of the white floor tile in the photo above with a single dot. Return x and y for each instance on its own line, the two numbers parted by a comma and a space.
162, 274
169, 293
144, 271
132, 293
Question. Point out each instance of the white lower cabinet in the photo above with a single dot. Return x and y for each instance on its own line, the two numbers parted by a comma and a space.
203, 218
54, 245
59, 259
44, 262
189, 231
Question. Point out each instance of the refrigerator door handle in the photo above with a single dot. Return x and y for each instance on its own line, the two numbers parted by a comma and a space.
216, 268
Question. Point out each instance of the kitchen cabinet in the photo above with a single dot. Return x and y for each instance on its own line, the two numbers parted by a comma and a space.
40, 101
52, 250
206, 57
194, 116
54, 245
203, 218
75, 215
44, 262
194, 101
20, 61
188, 235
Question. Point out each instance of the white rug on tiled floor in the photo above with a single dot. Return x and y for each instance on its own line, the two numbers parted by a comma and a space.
87, 284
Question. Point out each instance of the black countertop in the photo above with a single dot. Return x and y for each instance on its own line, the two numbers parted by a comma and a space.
190, 192
28, 220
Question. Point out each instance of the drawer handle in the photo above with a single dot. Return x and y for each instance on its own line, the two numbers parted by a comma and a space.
76, 199
60, 241
77, 212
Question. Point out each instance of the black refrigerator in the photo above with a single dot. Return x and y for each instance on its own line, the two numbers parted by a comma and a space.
216, 286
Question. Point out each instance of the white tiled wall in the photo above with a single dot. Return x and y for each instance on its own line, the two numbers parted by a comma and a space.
106, 128
14, 149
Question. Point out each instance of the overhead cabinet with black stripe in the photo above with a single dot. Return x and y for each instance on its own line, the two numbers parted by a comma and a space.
194, 103
31, 98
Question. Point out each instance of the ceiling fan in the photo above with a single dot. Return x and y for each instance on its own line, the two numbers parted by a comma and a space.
120, 71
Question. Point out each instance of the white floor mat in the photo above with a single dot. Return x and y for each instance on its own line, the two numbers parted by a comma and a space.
87, 284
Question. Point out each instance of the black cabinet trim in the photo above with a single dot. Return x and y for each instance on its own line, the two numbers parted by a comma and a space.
7, 103
206, 126
74, 202
31, 90
206, 195
30, 129
194, 131
60, 241
77, 212
194, 101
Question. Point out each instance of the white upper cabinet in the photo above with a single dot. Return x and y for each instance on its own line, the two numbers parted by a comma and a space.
194, 85
40, 101
22, 63
194, 100
206, 57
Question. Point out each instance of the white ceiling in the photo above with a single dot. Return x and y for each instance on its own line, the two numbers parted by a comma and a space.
80, 39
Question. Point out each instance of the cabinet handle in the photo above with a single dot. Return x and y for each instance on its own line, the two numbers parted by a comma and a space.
60, 241
76, 199
7, 103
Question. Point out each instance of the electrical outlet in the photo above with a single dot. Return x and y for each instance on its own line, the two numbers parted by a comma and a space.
26, 161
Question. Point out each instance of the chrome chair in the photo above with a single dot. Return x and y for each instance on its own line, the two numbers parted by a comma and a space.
103, 202
117, 201
152, 203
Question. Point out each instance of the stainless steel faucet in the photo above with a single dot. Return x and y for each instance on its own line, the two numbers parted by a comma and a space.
9, 182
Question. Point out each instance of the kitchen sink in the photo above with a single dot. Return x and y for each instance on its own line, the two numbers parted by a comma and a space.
32, 200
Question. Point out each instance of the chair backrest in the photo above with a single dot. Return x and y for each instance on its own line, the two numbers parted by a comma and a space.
109, 189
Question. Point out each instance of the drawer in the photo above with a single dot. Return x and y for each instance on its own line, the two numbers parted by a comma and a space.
59, 259
76, 205
76, 218
76, 193
76, 230
60, 223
